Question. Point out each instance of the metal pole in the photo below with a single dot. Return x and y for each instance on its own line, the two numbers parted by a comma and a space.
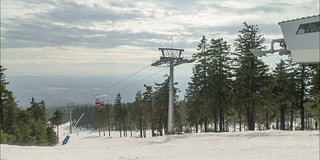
78, 120
318, 120
171, 109
173, 57
70, 116
109, 108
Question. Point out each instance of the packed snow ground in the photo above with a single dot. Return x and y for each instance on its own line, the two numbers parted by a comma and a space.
257, 145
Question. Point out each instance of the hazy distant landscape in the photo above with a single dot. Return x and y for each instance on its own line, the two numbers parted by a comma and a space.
60, 90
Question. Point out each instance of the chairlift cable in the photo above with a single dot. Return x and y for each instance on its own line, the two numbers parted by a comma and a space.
142, 79
127, 77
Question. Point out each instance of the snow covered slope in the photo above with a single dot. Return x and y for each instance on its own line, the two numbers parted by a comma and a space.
262, 145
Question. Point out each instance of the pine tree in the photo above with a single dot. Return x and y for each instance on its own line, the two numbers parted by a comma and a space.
160, 105
51, 136
252, 73
23, 130
119, 114
315, 93
99, 119
303, 82
38, 110
39, 132
8, 107
38, 122
139, 108
132, 116
147, 99
283, 90
193, 104
56, 119
219, 78
201, 82
209, 88
108, 109
18, 126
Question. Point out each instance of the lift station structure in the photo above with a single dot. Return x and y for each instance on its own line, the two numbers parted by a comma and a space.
301, 40
171, 57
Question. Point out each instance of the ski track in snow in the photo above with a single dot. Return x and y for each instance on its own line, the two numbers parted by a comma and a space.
249, 145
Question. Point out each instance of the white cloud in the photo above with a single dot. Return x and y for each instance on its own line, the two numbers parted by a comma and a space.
76, 35
73, 61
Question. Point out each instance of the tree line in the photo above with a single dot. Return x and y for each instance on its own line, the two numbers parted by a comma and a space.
238, 86
148, 111
29, 126
226, 89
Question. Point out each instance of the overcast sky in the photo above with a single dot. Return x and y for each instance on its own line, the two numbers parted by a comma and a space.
115, 38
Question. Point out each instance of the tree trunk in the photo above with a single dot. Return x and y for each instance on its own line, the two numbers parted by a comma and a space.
130, 129
307, 123
152, 121
302, 117
196, 127
226, 126
215, 124
109, 120
1, 111
234, 123
161, 129
109, 131
282, 117
301, 106
205, 126
125, 130
267, 119
58, 132
140, 127
240, 122
220, 120
251, 125
250, 117
291, 119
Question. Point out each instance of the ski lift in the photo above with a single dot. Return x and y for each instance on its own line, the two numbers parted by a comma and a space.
99, 103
